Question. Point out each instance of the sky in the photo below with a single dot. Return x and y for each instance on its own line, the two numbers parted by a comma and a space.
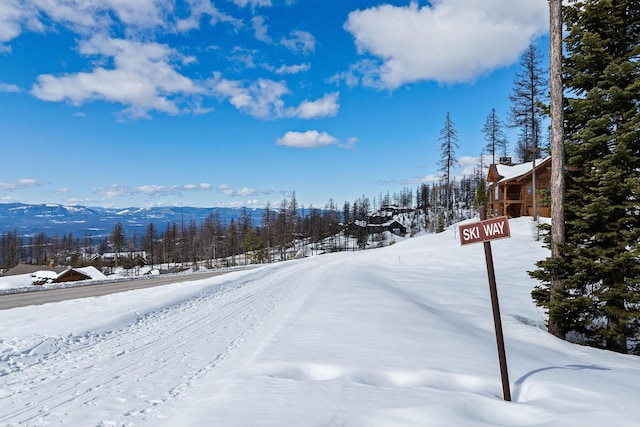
234, 103
373, 338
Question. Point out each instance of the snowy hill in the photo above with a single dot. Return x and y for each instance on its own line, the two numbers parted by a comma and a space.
397, 336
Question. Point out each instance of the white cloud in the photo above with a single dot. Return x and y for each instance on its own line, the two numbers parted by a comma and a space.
308, 139
300, 41
19, 184
293, 69
243, 57
260, 28
90, 17
327, 106
116, 190
448, 41
263, 99
200, 9
226, 190
4, 87
11, 17
143, 13
144, 78
252, 3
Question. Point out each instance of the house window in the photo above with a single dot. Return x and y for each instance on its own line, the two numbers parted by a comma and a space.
497, 196
528, 189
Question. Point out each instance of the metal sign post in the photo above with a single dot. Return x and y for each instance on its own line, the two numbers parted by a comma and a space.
485, 231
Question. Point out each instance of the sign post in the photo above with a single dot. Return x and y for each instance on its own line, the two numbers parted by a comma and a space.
485, 231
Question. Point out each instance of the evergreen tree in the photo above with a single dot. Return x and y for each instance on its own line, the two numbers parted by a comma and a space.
481, 197
600, 274
448, 146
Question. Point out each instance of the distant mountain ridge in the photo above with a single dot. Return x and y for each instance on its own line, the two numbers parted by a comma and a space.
54, 219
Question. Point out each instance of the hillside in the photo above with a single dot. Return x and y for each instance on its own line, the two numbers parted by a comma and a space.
398, 336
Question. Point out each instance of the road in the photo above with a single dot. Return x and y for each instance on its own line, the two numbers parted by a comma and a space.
45, 296
132, 372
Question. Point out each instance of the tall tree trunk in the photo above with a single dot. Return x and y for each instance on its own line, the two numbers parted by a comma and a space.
557, 155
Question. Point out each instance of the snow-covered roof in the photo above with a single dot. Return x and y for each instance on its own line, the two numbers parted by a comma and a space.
44, 274
509, 172
92, 272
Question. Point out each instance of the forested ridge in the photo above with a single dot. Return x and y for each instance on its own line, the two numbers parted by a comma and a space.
271, 236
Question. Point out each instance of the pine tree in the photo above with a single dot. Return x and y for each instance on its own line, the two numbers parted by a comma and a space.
600, 294
481, 197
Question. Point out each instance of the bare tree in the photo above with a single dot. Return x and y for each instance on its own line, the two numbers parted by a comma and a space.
529, 93
118, 240
448, 161
494, 135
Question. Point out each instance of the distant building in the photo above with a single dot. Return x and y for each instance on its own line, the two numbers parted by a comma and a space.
76, 274
30, 269
358, 228
109, 258
511, 187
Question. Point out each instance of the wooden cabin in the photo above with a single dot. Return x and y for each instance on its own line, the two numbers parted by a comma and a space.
511, 187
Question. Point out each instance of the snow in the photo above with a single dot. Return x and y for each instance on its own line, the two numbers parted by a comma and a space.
92, 272
396, 336
509, 172
44, 278
19, 281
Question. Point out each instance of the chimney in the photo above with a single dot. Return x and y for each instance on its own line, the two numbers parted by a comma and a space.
506, 161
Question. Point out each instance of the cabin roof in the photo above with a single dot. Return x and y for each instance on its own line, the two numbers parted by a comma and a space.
509, 172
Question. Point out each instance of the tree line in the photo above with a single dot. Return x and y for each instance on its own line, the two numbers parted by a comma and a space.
278, 234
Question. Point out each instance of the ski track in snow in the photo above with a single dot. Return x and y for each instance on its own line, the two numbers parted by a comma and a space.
125, 376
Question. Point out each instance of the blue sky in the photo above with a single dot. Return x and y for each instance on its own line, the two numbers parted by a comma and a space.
241, 102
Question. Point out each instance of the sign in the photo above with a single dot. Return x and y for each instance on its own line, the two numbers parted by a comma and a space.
483, 231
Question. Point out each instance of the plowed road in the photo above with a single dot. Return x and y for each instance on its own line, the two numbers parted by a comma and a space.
24, 299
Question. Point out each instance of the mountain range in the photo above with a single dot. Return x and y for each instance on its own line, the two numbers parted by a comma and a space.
53, 219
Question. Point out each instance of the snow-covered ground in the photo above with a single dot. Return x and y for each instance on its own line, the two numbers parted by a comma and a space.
397, 336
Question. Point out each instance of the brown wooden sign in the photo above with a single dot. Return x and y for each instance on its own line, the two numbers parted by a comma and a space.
483, 231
